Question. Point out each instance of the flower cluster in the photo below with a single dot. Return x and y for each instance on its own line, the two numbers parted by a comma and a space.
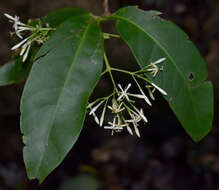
122, 107
38, 33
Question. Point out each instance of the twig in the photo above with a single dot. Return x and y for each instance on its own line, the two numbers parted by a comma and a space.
106, 8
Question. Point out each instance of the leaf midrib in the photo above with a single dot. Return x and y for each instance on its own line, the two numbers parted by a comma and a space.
64, 86
166, 52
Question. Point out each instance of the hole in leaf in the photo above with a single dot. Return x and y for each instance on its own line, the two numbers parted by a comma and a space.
191, 77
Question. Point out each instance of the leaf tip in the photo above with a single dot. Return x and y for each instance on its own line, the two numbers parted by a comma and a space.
197, 138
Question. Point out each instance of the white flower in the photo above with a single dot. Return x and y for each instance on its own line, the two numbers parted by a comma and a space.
38, 35
151, 91
141, 114
123, 93
17, 25
159, 89
113, 126
154, 68
95, 108
116, 126
115, 108
134, 120
22, 29
15, 20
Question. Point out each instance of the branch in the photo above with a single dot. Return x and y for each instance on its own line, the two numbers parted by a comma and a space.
106, 8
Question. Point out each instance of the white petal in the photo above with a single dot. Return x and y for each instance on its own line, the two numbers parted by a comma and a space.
129, 85
158, 88
113, 128
26, 53
126, 96
137, 131
137, 95
18, 34
123, 92
130, 120
119, 85
95, 108
23, 49
96, 119
129, 130
112, 133
151, 94
25, 28
19, 44
20, 24
102, 116
108, 127
120, 97
9, 16
145, 97
143, 116
15, 26
159, 60
151, 69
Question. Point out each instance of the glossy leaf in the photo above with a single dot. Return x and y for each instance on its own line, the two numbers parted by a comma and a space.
184, 71
14, 71
55, 96
57, 17
63, 31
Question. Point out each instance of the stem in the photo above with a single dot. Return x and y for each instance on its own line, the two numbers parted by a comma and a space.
109, 69
121, 70
100, 99
106, 8
130, 73
145, 79
104, 72
108, 35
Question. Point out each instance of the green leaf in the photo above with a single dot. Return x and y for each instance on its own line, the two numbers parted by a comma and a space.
57, 17
14, 71
151, 38
55, 97
81, 182
62, 31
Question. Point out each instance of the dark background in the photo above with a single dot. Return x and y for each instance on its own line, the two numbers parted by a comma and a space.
164, 158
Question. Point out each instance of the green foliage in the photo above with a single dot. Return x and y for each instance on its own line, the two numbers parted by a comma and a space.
56, 93
55, 18
15, 71
68, 66
150, 37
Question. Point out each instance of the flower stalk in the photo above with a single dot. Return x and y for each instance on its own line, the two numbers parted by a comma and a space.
123, 110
